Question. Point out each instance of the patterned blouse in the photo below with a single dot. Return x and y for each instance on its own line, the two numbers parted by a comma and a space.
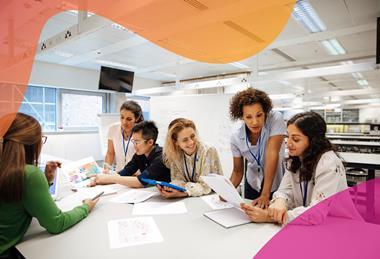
183, 173
329, 178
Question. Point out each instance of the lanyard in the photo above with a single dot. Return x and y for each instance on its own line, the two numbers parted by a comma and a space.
194, 166
304, 192
125, 149
258, 155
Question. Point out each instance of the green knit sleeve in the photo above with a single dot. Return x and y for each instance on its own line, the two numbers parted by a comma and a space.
39, 203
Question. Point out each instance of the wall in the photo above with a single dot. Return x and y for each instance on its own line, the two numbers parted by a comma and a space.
48, 74
369, 115
209, 113
74, 146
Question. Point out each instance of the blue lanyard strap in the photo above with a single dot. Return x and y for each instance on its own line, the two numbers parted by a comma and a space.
194, 166
304, 192
258, 155
125, 149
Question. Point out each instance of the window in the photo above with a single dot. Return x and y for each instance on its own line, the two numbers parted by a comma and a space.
64, 109
80, 109
41, 103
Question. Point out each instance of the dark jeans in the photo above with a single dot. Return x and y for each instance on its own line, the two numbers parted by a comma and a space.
250, 193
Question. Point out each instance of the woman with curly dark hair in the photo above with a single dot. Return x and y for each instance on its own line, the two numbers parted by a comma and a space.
314, 172
259, 140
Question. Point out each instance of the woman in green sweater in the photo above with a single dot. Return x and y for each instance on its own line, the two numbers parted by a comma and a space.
24, 190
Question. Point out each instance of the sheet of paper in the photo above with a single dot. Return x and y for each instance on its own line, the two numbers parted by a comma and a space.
107, 189
134, 196
133, 231
69, 202
75, 199
78, 172
215, 203
159, 208
223, 186
230, 217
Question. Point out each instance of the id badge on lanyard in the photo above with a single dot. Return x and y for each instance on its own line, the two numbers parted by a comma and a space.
125, 149
256, 157
304, 191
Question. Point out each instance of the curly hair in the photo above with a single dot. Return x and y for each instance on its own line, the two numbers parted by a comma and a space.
249, 96
312, 125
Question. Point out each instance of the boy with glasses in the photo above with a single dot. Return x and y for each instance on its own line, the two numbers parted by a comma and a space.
147, 160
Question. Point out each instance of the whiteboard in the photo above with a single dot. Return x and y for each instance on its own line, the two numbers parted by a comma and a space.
210, 114
105, 121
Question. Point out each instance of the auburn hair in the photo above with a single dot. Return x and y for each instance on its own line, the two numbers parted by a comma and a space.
20, 145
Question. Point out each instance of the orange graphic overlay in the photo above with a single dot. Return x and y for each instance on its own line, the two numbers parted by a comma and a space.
213, 31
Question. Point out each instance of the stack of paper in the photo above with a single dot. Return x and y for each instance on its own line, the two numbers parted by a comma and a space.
227, 218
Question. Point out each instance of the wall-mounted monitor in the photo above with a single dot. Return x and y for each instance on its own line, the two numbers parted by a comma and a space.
116, 79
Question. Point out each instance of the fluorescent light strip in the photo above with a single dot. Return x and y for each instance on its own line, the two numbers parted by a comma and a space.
333, 47
239, 65
305, 14
282, 96
356, 75
362, 82
337, 46
362, 101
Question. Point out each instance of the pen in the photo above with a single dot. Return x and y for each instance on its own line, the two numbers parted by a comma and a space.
98, 195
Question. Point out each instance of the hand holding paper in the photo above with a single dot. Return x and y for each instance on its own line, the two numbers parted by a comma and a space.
223, 186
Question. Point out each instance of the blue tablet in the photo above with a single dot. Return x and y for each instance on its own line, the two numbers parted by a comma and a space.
161, 183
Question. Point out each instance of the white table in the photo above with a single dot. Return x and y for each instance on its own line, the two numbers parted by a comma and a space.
363, 160
188, 235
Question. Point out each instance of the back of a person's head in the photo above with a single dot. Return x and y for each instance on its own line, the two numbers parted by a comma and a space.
133, 107
171, 150
312, 125
148, 130
20, 145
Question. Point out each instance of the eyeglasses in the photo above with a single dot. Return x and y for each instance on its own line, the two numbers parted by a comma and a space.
138, 141
43, 139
